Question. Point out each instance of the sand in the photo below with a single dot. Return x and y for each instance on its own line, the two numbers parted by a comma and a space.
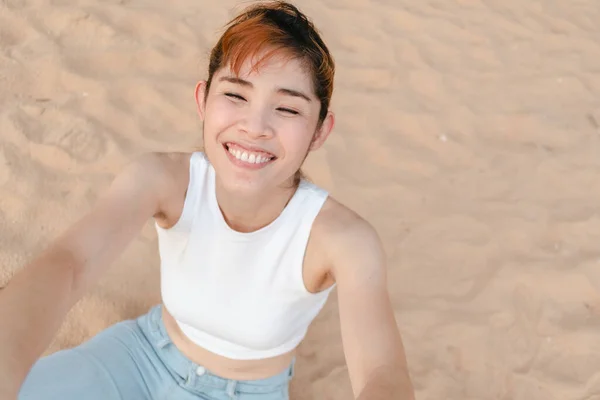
468, 133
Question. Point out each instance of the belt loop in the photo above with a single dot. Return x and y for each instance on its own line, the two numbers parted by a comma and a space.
154, 319
191, 376
161, 339
231, 386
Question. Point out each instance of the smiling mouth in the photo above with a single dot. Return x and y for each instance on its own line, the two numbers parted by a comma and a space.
248, 156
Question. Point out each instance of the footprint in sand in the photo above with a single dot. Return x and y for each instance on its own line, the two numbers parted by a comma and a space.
8, 37
75, 28
54, 127
14, 30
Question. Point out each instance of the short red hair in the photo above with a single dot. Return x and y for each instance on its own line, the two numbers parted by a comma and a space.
278, 28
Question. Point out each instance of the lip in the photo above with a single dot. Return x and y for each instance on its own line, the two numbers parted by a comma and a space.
244, 164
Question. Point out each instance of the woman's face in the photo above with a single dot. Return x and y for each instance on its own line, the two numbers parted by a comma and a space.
259, 126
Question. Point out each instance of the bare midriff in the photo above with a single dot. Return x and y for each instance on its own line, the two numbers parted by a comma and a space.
221, 366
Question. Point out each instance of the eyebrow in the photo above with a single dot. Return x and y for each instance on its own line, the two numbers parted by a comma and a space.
285, 91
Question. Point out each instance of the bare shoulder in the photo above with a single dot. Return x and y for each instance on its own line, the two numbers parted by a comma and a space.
348, 239
337, 224
160, 173
167, 176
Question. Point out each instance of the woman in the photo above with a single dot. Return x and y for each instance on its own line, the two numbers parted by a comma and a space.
249, 249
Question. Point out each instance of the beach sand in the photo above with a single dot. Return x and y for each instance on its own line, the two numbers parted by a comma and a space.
468, 133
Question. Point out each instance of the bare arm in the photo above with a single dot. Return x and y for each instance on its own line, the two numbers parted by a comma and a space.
36, 300
372, 343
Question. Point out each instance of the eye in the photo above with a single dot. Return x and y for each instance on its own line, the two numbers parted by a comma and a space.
288, 111
234, 96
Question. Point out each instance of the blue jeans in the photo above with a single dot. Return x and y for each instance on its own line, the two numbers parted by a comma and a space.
135, 360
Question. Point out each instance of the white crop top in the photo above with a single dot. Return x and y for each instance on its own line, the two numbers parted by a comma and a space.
239, 295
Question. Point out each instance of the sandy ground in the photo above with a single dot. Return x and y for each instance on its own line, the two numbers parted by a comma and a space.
468, 133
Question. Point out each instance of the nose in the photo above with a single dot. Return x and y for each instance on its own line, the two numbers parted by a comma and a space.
256, 124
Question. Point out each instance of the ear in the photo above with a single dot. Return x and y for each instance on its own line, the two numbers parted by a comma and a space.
323, 132
200, 94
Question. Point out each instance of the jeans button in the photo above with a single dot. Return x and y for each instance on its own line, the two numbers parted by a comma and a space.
200, 371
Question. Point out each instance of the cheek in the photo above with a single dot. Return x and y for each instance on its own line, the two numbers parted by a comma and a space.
219, 115
296, 137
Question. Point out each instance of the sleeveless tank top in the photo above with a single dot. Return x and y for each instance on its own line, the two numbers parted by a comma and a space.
239, 295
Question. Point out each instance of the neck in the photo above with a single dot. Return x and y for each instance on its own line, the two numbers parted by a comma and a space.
249, 213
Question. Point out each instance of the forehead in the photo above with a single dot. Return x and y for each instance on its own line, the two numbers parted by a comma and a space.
276, 70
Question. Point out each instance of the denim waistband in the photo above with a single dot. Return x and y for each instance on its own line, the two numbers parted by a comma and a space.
195, 375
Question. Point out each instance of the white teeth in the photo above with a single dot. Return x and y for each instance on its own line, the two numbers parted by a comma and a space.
248, 157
